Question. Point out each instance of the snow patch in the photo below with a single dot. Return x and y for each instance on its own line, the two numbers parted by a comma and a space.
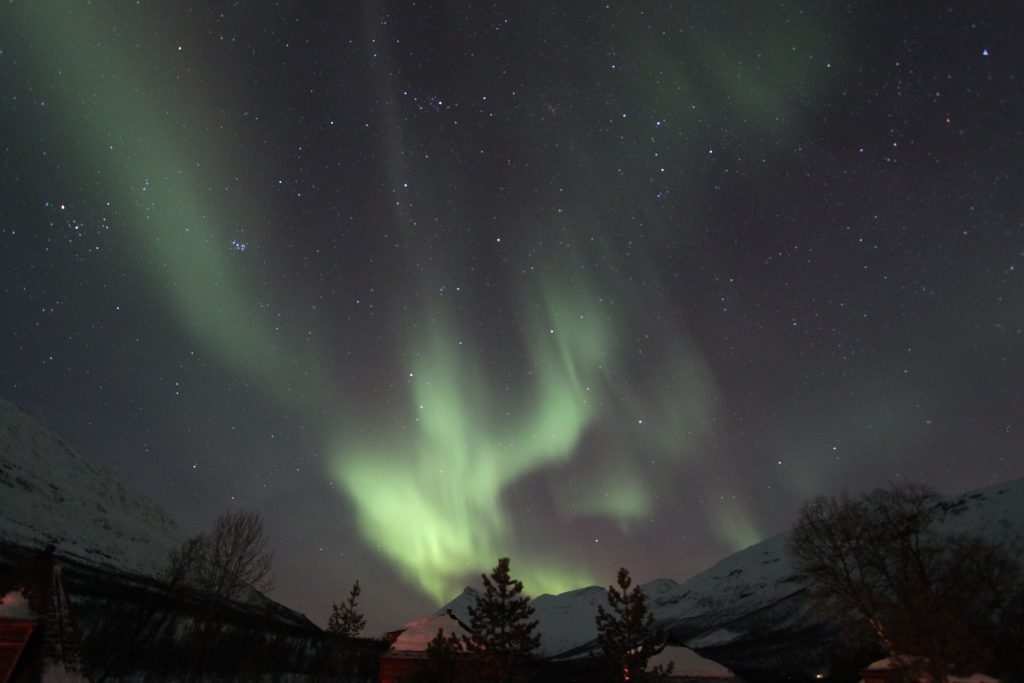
720, 636
54, 672
14, 605
887, 664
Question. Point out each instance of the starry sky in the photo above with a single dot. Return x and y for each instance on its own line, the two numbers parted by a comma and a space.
586, 284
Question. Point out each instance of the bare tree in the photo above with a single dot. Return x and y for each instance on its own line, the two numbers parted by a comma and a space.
225, 564
155, 617
883, 559
183, 562
233, 558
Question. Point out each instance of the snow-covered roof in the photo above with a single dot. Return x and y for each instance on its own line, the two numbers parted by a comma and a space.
689, 664
15, 605
888, 663
417, 634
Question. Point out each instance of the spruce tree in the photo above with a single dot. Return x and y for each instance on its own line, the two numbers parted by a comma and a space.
344, 624
346, 620
443, 654
501, 631
628, 634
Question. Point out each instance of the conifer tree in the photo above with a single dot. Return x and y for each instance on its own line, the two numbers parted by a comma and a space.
443, 658
346, 620
628, 634
345, 623
501, 631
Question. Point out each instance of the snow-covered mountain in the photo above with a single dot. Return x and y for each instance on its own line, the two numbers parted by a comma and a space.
50, 493
750, 611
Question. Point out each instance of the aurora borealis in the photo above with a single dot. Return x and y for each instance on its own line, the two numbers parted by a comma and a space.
589, 285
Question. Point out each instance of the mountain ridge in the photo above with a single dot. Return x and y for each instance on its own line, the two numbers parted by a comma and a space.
750, 611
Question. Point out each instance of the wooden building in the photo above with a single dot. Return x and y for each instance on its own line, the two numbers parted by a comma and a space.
37, 633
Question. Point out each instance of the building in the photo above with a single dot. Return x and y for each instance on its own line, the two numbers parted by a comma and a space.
38, 638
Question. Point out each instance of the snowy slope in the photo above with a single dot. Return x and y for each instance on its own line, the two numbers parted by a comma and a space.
751, 604
49, 493
566, 620
747, 580
762, 575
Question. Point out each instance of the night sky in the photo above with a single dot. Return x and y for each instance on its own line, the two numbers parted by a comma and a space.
584, 284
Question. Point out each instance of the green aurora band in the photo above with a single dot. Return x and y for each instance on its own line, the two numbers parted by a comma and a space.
432, 497
158, 174
429, 483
